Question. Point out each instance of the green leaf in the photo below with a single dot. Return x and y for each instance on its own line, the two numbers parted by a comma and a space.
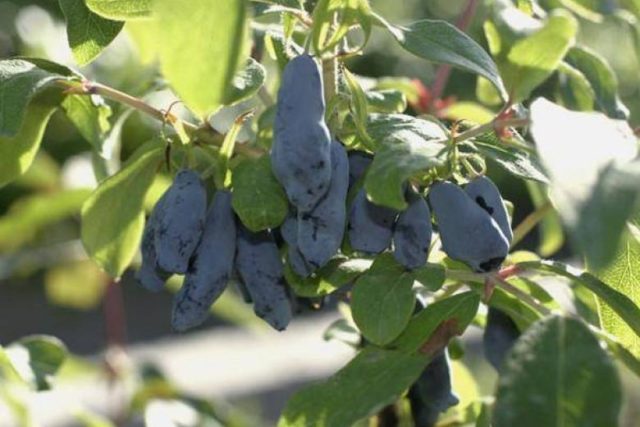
574, 89
88, 34
31, 214
408, 147
518, 162
585, 187
200, 48
623, 275
17, 152
532, 59
460, 309
369, 382
620, 303
431, 276
247, 82
338, 272
386, 101
36, 359
258, 199
601, 78
20, 82
382, 300
90, 115
113, 216
441, 42
382, 126
120, 10
557, 375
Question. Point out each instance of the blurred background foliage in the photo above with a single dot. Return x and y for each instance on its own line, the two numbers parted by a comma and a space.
47, 284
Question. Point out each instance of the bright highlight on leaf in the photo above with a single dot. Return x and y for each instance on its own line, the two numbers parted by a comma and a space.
113, 216
201, 47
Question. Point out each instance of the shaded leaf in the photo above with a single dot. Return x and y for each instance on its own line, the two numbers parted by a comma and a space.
17, 152
382, 300
258, 198
369, 382
557, 375
338, 272
441, 42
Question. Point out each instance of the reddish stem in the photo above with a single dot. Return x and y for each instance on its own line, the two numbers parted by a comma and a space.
115, 320
444, 71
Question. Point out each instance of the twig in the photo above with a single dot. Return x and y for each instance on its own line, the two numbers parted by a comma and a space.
204, 133
530, 222
521, 295
444, 71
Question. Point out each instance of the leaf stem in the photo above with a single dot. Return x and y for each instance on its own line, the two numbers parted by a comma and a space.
530, 222
489, 127
521, 295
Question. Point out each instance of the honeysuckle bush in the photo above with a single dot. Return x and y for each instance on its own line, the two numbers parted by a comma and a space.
546, 111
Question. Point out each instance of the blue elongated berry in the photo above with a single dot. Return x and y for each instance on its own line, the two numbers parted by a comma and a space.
500, 334
150, 276
320, 231
370, 226
210, 268
301, 151
412, 233
359, 161
180, 220
289, 232
260, 268
431, 394
468, 233
485, 193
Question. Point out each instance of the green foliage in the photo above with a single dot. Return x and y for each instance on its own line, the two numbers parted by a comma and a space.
258, 199
120, 10
87, 32
532, 59
337, 273
18, 151
623, 275
584, 188
382, 300
439, 41
33, 360
20, 82
373, 379
113, 216
531, 115
406, 146
620, 303
90, 115
200, 49
557, 374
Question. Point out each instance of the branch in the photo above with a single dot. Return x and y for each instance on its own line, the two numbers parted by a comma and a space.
530, 222
444, 71
204, 133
